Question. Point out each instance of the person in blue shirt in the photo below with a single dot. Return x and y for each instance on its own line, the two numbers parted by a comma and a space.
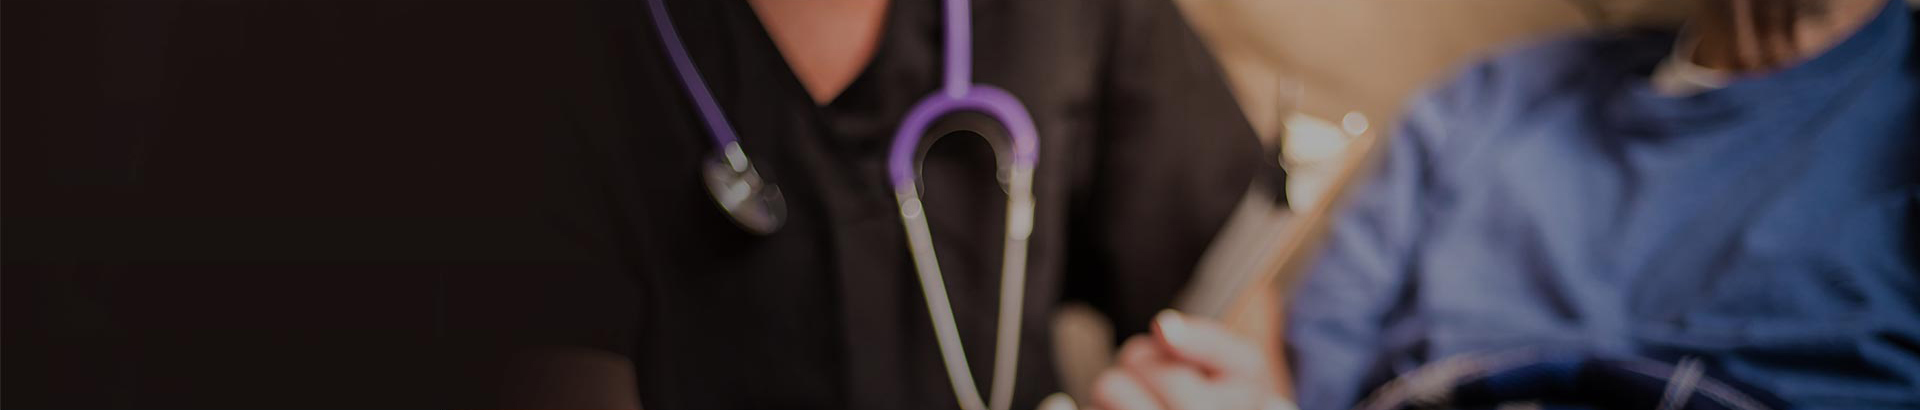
1742, 197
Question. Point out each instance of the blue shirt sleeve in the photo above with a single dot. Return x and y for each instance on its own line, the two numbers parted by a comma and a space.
1334, 316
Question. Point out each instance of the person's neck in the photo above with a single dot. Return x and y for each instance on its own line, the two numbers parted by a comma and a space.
827, 43
1759, 36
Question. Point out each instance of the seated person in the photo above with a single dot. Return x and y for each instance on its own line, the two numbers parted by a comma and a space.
1744, 196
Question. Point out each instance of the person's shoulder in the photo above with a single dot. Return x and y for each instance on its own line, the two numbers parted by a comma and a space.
1487, 99
1521, 72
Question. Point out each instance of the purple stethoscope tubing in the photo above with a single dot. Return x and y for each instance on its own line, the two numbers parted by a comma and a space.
717, 126
735, 182
958, 93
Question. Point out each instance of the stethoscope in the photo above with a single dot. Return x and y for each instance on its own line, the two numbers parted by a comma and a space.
756, 205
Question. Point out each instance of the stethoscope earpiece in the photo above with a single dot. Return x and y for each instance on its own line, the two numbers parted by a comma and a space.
750, 201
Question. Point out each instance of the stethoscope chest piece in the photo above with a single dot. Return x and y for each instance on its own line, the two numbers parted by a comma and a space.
750, 201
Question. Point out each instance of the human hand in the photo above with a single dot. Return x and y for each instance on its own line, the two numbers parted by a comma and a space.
1189, 364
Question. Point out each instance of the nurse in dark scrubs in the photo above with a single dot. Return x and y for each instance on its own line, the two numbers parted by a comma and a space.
484, 203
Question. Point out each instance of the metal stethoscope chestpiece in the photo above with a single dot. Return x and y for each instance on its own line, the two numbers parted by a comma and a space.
751, 201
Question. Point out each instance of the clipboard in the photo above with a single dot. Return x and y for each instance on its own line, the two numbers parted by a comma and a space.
1264, 245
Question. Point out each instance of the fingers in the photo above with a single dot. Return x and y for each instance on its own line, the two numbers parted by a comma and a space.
1119, 390
1168, 382
1178, 386
1186, 364
1209, 345
1142, 350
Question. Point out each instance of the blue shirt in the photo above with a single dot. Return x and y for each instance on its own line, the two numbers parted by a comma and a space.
1550, 199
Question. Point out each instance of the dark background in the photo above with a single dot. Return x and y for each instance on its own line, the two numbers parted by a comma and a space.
281, 203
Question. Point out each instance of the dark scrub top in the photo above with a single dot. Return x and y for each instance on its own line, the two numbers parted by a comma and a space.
1550, 200
372, 203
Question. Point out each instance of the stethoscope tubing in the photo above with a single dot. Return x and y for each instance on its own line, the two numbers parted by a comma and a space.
958, 93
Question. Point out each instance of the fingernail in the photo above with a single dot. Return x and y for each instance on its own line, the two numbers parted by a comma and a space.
1057, 401
1173, 328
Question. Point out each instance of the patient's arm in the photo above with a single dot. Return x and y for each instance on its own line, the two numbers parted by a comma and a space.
1334, 317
